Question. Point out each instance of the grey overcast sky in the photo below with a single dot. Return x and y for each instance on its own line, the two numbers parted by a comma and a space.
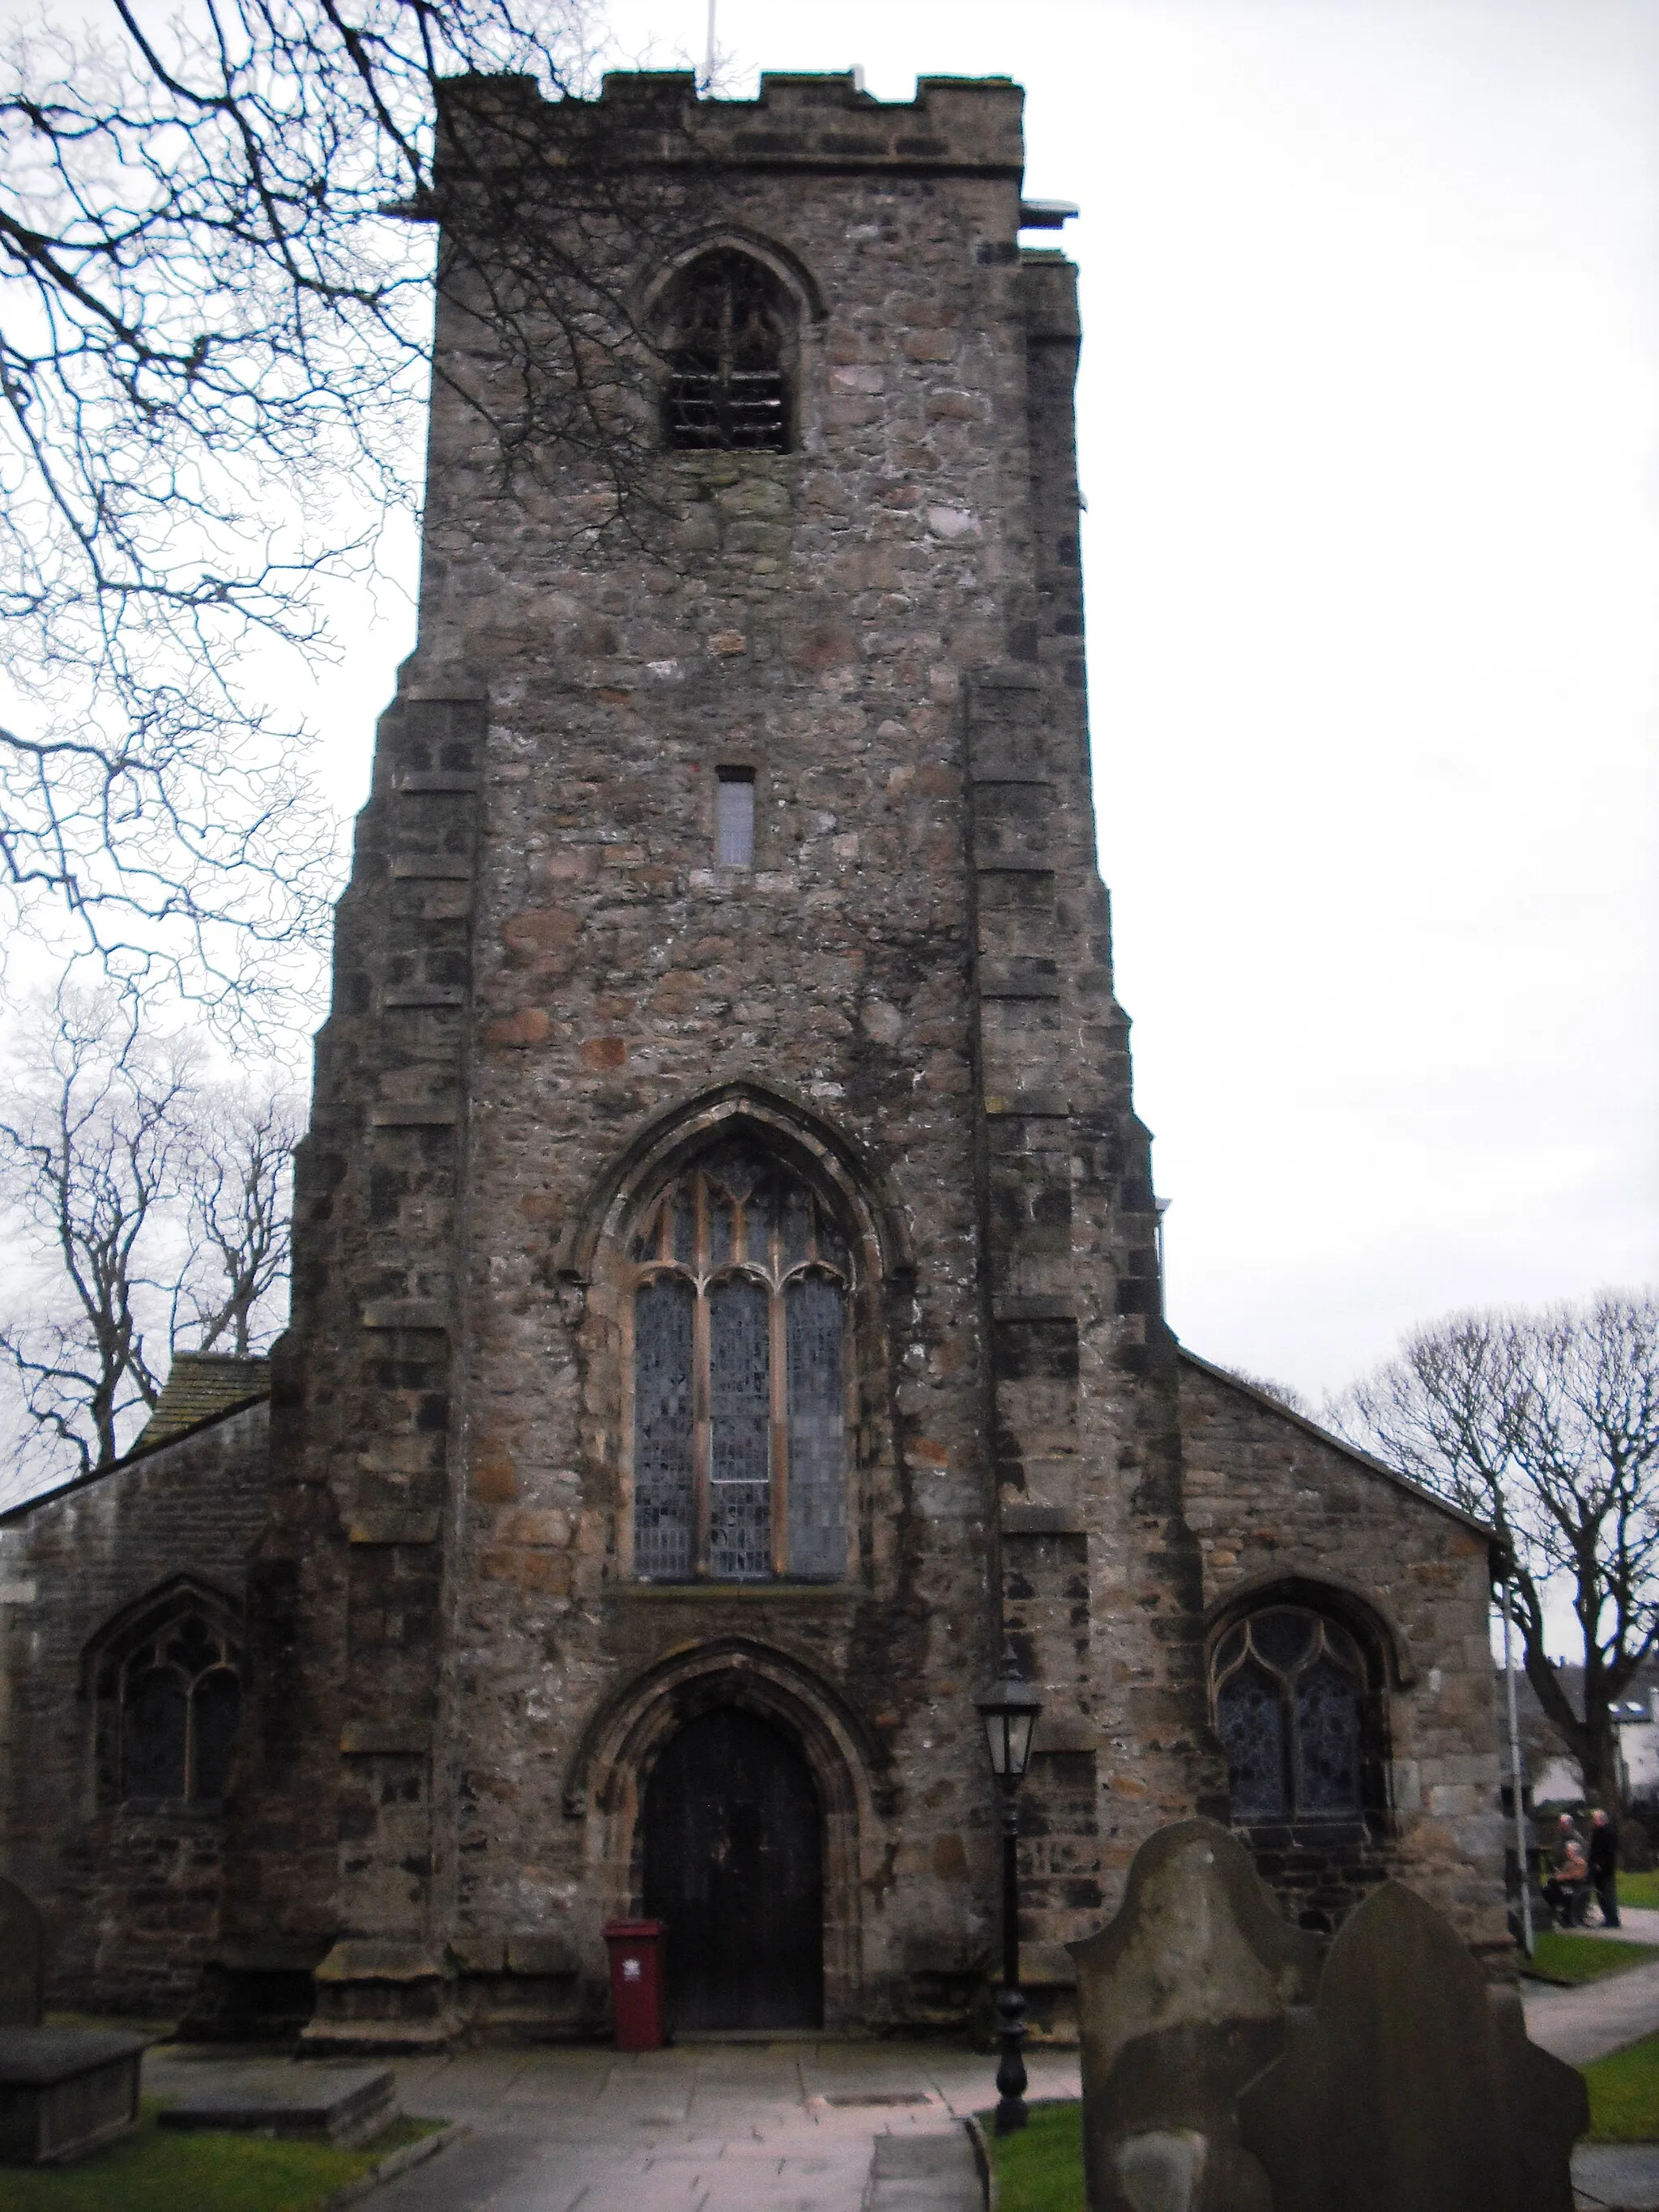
1370, 422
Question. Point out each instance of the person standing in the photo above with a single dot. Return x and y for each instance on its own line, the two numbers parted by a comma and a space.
1604, 1866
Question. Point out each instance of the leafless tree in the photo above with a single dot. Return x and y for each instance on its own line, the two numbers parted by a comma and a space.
1548, 1424
146, 1213
237, 1185
215, 300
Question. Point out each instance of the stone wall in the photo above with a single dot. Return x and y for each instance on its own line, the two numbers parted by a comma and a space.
131, 1899
1279, 1505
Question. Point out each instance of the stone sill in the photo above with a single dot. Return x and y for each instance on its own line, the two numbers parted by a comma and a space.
744, 1593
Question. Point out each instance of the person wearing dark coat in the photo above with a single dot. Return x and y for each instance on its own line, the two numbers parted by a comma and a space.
1604, 1866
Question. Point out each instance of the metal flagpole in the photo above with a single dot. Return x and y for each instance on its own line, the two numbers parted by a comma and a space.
1515, 1779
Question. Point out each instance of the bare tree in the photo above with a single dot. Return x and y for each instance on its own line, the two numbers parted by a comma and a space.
1547, 1425
237, 1185
151, 1212
215, 315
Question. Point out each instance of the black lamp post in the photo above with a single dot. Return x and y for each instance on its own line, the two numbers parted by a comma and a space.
1010, 1708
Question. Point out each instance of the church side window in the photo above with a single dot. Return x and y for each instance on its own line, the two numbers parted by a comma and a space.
169, 1705
726, 340
740, 1320
1291, 1700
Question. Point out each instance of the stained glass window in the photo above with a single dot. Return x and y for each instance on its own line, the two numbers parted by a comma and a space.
168, 1698
1290, 1705
664, 1533
740, 1317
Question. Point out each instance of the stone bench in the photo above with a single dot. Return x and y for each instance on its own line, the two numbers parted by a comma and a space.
65, 2091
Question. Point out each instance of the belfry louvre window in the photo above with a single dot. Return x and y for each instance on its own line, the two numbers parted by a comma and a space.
1290, 1689
740, 1320
726, 343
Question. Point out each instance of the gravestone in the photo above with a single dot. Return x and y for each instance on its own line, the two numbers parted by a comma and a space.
1182, 1999
23, 1958
288, 2100
1412, 2087
65, 2091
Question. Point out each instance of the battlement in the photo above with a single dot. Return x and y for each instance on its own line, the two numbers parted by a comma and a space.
820, 124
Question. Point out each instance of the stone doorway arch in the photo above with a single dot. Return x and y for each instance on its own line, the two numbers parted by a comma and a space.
612, 1769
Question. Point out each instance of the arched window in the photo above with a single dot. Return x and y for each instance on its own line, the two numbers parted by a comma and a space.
727, 337
1292, 1701
169, 1692
740, 1319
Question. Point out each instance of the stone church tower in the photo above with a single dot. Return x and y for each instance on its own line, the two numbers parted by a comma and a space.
726, 1314
728, 1276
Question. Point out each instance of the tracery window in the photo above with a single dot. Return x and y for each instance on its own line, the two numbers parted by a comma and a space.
728, 339
1290, 1688
168, 1698
740, 1420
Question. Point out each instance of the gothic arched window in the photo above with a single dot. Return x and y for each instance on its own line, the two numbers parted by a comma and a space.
1292, 1702
741, 1323
728, 339
169, 1692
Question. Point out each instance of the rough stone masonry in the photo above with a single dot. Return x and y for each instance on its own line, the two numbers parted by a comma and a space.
565, 1004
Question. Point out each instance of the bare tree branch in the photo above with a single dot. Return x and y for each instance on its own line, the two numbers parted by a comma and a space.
154, 1210
1548, 1424
214, 318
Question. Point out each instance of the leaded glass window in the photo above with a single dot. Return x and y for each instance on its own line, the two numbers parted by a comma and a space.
740, 1423
1290, 1707
168, 1699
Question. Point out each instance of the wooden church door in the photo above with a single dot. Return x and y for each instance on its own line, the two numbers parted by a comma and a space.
734, 1866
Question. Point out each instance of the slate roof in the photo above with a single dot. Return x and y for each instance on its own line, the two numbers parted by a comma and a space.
200, 1386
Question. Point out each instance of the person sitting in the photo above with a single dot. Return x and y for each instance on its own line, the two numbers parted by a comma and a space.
1567, 1892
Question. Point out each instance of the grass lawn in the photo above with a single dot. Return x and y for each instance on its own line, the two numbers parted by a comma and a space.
157, 2170
1640, 1889
1040, 2168
1624, 2094
1586, 1958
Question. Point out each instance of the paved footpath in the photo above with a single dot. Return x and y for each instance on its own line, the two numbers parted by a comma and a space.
816, 2124
1588, 2022
807, 2125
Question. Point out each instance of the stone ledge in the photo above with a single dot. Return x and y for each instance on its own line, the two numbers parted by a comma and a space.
405, 1312
1036, 1105
396, 1527
423, 995
413, 1117
1043, 1521
420, 782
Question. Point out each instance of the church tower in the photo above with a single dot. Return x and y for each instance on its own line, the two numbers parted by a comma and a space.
726, 1312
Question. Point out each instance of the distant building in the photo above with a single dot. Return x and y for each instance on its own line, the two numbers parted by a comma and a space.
1554, 1775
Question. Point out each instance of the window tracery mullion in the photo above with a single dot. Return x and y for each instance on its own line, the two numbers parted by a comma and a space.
778, 1380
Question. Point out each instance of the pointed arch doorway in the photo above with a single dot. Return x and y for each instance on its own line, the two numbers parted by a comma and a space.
733, 1864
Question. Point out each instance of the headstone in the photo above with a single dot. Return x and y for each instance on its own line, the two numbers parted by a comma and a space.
1413, 2087
23, 1958
1182, 1999
65, 2091
291, 2101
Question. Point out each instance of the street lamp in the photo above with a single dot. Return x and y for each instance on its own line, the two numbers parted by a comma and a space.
1010, 1708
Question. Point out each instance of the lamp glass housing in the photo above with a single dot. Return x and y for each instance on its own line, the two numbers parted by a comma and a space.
1009, 1710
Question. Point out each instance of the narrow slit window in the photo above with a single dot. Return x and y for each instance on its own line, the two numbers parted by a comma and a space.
734, 817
